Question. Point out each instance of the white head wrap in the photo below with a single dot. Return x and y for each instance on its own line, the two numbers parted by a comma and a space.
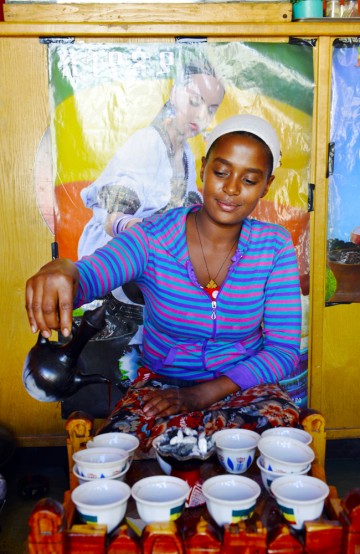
250, 124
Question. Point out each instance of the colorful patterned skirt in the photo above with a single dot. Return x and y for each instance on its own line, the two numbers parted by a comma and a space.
257, 408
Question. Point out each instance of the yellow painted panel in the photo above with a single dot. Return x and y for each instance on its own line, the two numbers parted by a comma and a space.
25, 239
341, 367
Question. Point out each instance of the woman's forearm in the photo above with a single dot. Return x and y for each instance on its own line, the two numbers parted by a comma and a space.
187, 399
209, 392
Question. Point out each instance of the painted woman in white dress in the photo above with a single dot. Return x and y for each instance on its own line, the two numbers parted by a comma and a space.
153, 171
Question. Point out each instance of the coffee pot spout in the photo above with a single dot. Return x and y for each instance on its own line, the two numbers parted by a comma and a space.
83, 379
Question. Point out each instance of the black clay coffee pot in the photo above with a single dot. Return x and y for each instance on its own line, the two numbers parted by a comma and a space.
53, 371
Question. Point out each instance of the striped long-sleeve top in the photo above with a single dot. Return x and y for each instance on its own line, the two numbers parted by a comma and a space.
251, 333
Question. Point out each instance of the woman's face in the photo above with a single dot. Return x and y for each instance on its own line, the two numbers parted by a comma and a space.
235, 177
195, 103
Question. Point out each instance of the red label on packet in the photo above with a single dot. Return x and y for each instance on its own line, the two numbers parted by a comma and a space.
196, 497
194, 480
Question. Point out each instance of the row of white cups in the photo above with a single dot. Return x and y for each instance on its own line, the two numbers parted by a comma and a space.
285, 458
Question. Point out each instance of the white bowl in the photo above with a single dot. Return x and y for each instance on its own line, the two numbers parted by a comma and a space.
102, 501
290, 432
160, 498
124, 441
235, 448
268, 476
300, 498
230, 498
100, 462
118, 476
165, 466
282, 454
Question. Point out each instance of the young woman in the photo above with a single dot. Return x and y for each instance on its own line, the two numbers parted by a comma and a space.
223, 318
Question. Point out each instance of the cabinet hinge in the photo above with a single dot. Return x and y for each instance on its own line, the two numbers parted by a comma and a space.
331, 156
311, 189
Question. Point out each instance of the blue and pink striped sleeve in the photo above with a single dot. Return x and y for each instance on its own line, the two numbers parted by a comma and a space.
121, 260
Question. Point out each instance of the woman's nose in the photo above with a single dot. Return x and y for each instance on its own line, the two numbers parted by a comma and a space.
232, 186
202, 113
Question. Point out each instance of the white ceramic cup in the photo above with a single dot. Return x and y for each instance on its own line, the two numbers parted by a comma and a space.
160, 498
124, 441
290, 432
268, 476
283, 454
235, 448
300, 498
230, 498
102, 501
118, 476
100, 462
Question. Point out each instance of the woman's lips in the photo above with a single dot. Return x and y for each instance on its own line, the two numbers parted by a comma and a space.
194, 128
227, 206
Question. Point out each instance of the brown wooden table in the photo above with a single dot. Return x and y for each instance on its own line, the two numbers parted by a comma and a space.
55, 529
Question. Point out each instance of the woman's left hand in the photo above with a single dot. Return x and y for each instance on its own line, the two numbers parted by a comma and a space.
170, 401
187, 399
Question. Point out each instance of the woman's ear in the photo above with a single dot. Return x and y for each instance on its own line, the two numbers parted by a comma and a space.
267, 186
202, 170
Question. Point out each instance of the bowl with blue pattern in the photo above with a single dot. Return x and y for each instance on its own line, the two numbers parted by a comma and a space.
235, 449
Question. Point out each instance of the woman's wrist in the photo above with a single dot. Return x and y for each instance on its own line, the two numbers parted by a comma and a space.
209, 392
120, 223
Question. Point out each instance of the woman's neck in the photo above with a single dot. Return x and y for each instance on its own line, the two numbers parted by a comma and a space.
176, 138
216, 233
211, 248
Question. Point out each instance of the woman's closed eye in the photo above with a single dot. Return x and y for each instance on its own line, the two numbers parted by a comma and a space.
222, 174
249, 181
212, 109
195, 100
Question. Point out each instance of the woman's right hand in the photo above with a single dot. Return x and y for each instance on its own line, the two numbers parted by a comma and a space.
50, 295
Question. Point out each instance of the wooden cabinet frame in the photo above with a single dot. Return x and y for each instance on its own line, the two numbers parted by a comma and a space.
19, 41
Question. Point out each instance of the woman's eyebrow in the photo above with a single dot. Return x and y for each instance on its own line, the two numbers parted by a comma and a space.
222, 160
195, 93
227, 162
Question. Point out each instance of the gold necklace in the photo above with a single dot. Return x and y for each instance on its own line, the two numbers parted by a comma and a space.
212, 282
